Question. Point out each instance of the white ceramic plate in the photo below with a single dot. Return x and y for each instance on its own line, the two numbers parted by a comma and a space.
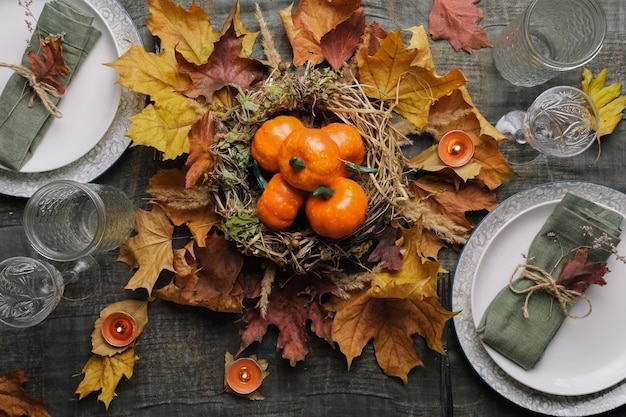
91, 135
583, 369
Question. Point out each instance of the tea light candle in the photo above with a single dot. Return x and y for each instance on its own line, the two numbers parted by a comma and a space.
455, 148
244, 376
119, 329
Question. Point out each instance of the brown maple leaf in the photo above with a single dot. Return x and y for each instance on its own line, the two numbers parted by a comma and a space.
201, 280
202, 158
290, 307
51, 65
17, 402
225, 67
456, 21
391, 322
577, 275
150, 250
340, 43
386, 252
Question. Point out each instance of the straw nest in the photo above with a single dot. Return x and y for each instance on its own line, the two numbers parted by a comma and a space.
314, 96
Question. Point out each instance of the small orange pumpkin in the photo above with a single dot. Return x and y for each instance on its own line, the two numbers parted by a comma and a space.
269, 138
350, 142
279, 204
337, 211
309, 158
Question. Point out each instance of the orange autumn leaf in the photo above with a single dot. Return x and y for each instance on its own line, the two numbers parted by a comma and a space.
310, 22
390, 75
457, 21
192, 207
456, 111
202, 158
150, 250
15, 401
49, 67
103, 373
391, 322
136, 308
201, 281
189, 31
341, 42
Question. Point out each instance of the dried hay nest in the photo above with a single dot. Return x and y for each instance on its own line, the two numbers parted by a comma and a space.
313, 95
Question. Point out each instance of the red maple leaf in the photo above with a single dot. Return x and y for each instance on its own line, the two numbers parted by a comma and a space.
291, 306
456, 21
224, 67
577, 275
339, 44
386, 251
51, 65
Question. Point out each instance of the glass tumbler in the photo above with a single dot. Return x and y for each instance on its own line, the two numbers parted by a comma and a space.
549, 37
66, 220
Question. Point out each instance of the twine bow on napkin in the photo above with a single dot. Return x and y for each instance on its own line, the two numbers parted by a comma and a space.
24, 121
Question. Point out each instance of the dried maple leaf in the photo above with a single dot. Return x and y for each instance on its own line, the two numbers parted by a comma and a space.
390, 75
104, 373
136, 308
607, 98
577, 275
457, 21
386, 252
417, 279
290, 307
225, 67
234, 20
202, 158
457, 111
150, 250
189, 31
310, 22
201, 281
17, 402
51, 65
340, 43
391, 322
192, 207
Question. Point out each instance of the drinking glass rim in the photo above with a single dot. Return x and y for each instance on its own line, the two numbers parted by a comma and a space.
558, 65
31, 208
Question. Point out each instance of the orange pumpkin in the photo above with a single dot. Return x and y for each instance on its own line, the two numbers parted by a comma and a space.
309, 158
337, 211
350, 142
269, 138
279, 204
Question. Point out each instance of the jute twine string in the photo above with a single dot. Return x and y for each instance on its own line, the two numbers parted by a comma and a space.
41, 89
544, 281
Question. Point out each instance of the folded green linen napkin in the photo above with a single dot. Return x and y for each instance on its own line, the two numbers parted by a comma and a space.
503, 325
22, 127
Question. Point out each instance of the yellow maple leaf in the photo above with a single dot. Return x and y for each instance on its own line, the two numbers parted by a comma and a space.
416, 280
104, 373
136, 308
249, 38
391, 322
607, 98
150, 250
165, 125
424, 56
189, 31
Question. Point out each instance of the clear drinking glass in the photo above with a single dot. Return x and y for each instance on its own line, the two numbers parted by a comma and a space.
562, 121
66, 220
549, 37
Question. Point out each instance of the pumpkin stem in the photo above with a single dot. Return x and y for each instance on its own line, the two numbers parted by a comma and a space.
359, 169
258, 175
296, 163
324, 192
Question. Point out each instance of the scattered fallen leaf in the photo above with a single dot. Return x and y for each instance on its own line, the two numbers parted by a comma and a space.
137, 309
457, 21
17, 402
390, 75
200, 280
51, 65
291, 306
104, 373
391, 322
577, 275
340, 43
310, 22
386, 252
607, 98
150, 250
202, 158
